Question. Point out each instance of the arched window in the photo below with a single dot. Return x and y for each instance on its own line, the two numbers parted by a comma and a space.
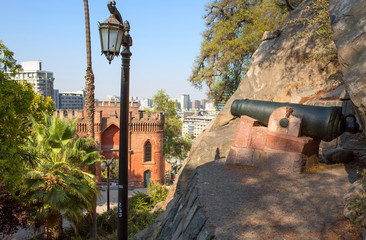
147, 151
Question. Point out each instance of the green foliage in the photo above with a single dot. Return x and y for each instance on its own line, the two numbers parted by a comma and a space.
174, 144
319, 21
234, 32
18, 104
157, 192
139, 217
141, 202
358, 204
113, 173
56, 180
7, 62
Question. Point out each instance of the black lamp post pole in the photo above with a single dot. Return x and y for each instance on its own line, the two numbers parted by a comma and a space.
108, 164
113, 34
108, 207
123, 145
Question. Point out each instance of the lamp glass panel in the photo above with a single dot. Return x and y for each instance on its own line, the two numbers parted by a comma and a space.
113, 36
104, 38
103, 166
119, 41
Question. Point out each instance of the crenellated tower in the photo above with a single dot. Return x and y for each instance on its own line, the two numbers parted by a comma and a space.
146, 161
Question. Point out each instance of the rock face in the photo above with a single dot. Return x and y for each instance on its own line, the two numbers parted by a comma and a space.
348, 20
225, 202
186, 218
280, 72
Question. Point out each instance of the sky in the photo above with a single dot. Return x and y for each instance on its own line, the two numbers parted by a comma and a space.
166, 38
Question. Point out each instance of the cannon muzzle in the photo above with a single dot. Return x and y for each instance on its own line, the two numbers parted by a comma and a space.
324, 123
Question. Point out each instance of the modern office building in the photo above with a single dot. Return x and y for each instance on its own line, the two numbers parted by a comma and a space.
196, 104
41, 81
56, 98
145, 103
113, 98
194, 125
185, 102
71, 100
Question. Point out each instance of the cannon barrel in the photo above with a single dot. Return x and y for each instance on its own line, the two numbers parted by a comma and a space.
325, 123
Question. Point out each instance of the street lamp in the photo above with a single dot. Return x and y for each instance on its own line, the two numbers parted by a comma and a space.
113, 34
108, 164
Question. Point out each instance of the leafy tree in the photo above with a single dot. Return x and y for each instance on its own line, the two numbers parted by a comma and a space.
317, 16
18, 103
234, 32
57, 182
175, 146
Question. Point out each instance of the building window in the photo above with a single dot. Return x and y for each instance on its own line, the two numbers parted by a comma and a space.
147, 151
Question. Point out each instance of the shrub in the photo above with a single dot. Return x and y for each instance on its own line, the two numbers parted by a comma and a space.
157, 192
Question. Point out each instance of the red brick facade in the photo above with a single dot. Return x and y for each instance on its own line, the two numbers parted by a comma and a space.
146, 160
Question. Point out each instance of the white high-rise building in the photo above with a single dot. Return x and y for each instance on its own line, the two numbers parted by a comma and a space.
194, 125
185, 102
113, 98
41, 81
145, 103
72, 100
56, 98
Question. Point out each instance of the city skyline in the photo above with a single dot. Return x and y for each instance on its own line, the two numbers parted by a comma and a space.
166, 41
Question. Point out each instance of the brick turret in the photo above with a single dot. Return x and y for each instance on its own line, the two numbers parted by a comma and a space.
146, 161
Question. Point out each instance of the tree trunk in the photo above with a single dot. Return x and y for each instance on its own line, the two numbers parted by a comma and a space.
89, 78
89, 105
54, 232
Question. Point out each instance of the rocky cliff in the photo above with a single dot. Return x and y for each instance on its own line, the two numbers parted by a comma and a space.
282, 70
348, 20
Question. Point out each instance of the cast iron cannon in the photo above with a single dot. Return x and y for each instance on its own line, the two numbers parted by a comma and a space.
324, 123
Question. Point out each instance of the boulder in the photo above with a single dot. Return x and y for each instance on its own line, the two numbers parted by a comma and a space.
348, 21
281, 71
337, 155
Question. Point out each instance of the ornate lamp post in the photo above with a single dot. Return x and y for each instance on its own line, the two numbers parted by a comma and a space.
108, 164
113, 34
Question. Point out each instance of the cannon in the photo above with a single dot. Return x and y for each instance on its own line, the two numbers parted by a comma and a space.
324, 123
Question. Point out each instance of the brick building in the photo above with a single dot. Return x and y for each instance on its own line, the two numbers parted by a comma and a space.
146, 161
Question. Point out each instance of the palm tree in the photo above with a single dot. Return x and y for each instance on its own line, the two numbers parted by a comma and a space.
58, 183
89, 78
89, 106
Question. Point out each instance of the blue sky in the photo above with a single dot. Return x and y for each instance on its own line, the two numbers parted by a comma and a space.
166, 40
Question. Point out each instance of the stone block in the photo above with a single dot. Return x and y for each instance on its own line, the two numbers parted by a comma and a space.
311, 161
279, 162
231, 157
311, 147
243, 132
245, 157
275, 118
299, 162
287, 143
260, 159
294, 128
259, 138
